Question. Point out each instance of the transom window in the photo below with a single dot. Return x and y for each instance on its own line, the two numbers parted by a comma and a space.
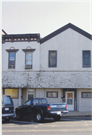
11, 59
86, 58
52, 58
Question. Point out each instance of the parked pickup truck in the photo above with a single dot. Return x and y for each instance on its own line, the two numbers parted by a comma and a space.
39, 109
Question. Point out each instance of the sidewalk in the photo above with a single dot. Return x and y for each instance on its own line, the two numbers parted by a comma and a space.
77, 114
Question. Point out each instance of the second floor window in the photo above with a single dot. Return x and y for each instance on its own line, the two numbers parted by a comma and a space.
52, 58
28, 60
11, 59
86, 58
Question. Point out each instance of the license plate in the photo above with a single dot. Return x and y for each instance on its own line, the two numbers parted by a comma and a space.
6, 109
59, 113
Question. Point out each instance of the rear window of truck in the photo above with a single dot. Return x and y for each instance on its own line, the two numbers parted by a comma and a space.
6, 100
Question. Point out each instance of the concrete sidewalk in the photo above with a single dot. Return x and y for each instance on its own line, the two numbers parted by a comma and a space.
77, 114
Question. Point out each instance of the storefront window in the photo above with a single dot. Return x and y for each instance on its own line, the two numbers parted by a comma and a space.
12, 92
86, 94
52, 94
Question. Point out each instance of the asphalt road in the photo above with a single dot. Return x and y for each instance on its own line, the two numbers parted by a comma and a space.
66, 126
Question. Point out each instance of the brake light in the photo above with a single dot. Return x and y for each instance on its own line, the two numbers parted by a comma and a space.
13, 108
48, 108
66, 107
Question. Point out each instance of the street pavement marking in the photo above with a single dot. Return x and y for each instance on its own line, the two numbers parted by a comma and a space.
48, 130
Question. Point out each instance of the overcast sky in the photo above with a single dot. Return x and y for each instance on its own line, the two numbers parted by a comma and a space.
20, 17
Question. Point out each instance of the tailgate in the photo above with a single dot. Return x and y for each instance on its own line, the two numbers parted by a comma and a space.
58, 107
7, 109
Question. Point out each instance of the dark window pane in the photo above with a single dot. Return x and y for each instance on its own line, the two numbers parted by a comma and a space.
35, 101
86, 54
86, 58
12, 56
52, 61
44, 101
28, 55
28, 102
69, 101
52, 58
52, 94
11, 62
86, 94
53, 54
6, 100
28, 58
86, 61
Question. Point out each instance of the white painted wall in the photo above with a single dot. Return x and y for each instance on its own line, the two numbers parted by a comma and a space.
83, 104
20, 56
40, 93
69, 45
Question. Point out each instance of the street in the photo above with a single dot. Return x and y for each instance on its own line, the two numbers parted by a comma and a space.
66, 126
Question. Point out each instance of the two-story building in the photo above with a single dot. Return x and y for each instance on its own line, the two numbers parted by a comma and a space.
57, 67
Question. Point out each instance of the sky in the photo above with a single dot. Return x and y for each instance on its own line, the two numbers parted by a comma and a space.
24, 16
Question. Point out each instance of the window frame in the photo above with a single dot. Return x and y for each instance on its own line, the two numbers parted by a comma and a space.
86, 66
86, 93
52, 92
10, 60
31, 58
49, 58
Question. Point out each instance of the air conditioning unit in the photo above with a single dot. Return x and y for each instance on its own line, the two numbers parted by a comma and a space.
28, 66
11, 66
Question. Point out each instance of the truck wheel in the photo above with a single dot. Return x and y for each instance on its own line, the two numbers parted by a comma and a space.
39, 117
57, 118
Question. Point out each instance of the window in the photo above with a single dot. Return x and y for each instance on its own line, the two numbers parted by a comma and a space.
86, 58
86, 94
12, 92
35, 101
44, 101
28, 60
7, 100
52, 58
11, 59
28, 102
53, 94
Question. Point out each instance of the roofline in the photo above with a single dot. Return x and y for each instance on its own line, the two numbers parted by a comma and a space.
22, 35
21, 38
4, 32
69, 25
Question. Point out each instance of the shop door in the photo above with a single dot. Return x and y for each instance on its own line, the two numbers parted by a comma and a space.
70, 100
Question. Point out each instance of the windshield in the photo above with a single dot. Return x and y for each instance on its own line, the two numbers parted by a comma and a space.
6, 100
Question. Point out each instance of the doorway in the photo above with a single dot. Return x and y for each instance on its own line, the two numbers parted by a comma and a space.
30, 94
70, 100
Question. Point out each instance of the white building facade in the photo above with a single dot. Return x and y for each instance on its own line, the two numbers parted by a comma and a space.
57, 67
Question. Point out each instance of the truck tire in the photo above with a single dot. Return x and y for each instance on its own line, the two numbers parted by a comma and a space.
39, 117
57, 118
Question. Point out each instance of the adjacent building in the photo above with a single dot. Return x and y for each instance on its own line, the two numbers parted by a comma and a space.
57, 67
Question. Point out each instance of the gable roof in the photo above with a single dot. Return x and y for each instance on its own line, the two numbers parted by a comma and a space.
69, 25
